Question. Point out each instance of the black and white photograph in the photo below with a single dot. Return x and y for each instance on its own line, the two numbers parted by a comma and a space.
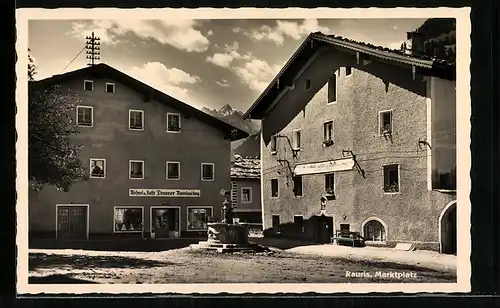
252, 150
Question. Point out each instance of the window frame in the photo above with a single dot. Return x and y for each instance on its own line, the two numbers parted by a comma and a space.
173, 114
331, 140
294, 139
334, 101
301, 186
90, 168
351, 69
274, 138
110, 84
130, 169
85, 81
130, 122
380, 113
179, 170
213, 172
128, 207
307, 84
334, 183
399, 179
91, 115
209, 215
277, 188
249, 194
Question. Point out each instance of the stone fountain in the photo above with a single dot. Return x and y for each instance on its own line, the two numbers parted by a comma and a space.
226, 235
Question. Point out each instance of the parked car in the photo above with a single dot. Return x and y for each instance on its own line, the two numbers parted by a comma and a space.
348, 238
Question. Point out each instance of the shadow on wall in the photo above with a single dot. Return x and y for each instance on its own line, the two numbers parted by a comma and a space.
311, 231
47, 261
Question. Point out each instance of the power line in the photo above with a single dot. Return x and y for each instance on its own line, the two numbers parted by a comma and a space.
73, 59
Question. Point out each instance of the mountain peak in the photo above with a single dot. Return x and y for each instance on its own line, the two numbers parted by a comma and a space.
226, 110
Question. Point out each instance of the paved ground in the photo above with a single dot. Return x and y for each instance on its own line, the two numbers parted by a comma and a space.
311, 263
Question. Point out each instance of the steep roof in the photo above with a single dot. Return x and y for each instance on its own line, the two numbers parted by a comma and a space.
245, 168
103, 70
426, 65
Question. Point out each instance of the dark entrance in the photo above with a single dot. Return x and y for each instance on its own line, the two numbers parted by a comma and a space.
449, 230
324, 228
72, 222
165, 222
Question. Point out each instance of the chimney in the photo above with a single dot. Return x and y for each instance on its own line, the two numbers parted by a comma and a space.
414, 43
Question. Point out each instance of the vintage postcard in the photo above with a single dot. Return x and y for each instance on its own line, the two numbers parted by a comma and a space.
243, 150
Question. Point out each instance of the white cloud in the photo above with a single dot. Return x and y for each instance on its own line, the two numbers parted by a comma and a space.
237, 30
210, 33
171, 81
223, 83
179, 33
253, 72
284, 29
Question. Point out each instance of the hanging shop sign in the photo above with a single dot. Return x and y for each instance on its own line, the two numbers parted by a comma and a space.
173, 193
325, 167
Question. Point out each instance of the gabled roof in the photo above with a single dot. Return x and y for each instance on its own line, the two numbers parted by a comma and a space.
245, 168
426, 65
103, 70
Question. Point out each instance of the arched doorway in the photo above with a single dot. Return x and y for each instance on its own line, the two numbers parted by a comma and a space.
448, 229
374, 229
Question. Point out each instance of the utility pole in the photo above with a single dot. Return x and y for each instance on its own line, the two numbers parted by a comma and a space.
93, 50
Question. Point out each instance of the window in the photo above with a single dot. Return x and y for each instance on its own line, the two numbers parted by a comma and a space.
97, 168
330, 184
88, 85
198, 218
128, 219
297, 186
385, 122
274, 143
276, 223
308, 84
85, 116
207, 172
374, 231
348, 70
173, 122
173, 170
391, 179
345, 227
328, 133
136, 119
246, 195
332, 88
136, 169
274, 188
298, 221
110, 87
296, 139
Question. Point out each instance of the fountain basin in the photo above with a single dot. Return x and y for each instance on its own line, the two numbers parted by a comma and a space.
223, 233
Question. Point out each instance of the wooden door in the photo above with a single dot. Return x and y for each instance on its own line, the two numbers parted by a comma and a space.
71, 222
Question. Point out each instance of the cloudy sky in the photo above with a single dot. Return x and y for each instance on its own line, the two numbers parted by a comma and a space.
205, 63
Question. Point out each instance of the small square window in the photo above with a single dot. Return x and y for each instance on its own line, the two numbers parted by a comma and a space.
198, 218
136, 169
84, 116
136, 120
97, 168
308, 84
385, 122
246, 195
296, 140
207, 172
173, 170
298, 221
110, 87
330, 184
345, 227
274, 188
391, 179
348, 70
297, 186
88, 85
173, 122
328, 132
